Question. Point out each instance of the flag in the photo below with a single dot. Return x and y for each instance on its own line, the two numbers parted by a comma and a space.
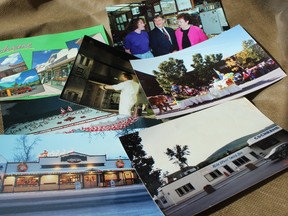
63, 111
220, 75
69, 109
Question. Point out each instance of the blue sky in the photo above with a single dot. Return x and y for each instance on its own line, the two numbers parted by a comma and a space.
12, 59
20, 78
100, 144
40, 57
228, 43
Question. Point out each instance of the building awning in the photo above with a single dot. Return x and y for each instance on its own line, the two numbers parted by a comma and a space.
74, 171
264, 135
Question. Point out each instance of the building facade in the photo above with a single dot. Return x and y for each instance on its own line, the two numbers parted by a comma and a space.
207, 177
69, 171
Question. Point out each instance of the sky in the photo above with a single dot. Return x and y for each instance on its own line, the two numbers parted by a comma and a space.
204, 132
20, 78
101, 144
12, 59
228, 43
40, 57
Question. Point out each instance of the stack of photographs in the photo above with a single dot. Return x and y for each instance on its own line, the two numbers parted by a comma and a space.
180, 140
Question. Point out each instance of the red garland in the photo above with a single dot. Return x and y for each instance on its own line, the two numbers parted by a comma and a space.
115, 126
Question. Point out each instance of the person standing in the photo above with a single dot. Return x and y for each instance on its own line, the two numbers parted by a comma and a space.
188, 35
162, 39
137, 41
128, 96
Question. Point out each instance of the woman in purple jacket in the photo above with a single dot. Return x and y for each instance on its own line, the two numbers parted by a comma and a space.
137, 41
188, 35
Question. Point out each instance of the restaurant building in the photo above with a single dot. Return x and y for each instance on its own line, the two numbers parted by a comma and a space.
68, 171
205, 179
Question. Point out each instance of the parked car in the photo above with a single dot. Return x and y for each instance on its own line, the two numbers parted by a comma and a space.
278, 152
24, 89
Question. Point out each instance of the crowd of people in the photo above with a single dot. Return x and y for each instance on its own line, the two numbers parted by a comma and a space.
161, 40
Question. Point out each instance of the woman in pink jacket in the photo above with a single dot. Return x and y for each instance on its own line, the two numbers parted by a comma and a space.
188, 35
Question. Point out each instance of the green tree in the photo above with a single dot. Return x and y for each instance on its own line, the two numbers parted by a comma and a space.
24, 148
178, 154
203, 69
171, 71
141, 162
250, 55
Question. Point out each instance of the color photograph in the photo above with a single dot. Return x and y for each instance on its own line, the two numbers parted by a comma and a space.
208, 156
90, 172
19, 85
222, 68
102, 78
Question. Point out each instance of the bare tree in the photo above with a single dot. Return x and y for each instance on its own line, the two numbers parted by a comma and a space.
23, 150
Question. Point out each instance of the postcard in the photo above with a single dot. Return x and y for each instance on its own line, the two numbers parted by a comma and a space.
222, 68
208, 156
43, 173
102, 78
35, 117
36, 67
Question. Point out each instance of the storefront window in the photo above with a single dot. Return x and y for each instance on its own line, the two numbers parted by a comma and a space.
27, 181
69, 178
111, 176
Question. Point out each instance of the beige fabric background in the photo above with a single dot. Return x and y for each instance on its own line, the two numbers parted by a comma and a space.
265, 20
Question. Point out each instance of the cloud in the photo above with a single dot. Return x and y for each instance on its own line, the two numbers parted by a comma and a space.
29, 79
11, 59
11, 78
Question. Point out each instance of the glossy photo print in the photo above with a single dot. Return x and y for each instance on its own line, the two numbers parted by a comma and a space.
102, 78
195, 162
35, 117
222, 68
42, 173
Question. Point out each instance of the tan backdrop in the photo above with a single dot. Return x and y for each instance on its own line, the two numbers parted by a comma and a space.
265, 20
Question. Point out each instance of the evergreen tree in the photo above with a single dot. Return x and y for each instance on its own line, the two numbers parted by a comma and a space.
141, 162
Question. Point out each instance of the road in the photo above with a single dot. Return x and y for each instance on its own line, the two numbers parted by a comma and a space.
226, 189
127, 200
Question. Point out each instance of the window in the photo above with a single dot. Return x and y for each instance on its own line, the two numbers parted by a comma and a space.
240, 161
213, 175
27, 181
184, 189
69, 178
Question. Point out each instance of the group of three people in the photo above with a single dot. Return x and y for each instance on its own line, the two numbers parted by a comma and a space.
162, 40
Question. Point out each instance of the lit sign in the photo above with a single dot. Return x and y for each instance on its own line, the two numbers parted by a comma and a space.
264, 135
73, 158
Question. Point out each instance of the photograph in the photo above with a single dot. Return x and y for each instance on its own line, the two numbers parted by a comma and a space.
102, 78
43, 173
19, 85
222, 68
211, 19
20, 117
12, 64
208, 156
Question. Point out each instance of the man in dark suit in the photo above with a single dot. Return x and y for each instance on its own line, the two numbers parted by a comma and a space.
162, 39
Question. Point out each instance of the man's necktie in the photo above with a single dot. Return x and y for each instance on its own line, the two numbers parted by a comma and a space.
166, 35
